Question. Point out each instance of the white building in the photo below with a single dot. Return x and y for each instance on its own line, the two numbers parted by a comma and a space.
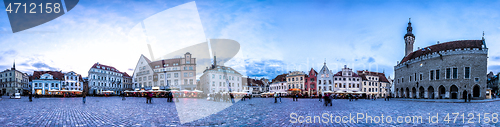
325, 80
347, 81
374, 83
14, 81
47, 82
278, 87
72, 81
103, 78
175, 73
214, 80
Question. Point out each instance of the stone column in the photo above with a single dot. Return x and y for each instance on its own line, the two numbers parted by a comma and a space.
436, 95
418, 95
426, 95
447, 94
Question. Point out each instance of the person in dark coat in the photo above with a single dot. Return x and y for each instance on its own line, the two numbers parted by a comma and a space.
30, 96
275, 97
320, 97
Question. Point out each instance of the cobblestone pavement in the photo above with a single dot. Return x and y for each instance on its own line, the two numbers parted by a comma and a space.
112, 111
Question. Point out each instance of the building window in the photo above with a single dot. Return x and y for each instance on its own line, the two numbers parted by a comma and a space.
431, 74
437, 74
176, 75
448, 73
467, 72
420, 77
455, 75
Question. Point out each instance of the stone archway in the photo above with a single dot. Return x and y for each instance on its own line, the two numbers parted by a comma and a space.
454, 92
407, 92
421, 92
442, 92
413, 92
464, 94
430, 92
397, 92
476, 91
401, 93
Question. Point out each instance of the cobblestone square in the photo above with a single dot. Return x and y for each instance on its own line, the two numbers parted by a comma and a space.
112, 111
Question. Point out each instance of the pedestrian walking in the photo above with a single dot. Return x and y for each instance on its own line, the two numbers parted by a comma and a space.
30, 96
84, 97
123, 96
320, 97
279, 97
150, 95
275, 97
296, 97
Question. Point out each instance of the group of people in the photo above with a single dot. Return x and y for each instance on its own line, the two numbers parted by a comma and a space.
222, 97
276, 96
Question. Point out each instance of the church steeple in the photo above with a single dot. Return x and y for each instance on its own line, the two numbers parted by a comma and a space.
14, 65
409, 39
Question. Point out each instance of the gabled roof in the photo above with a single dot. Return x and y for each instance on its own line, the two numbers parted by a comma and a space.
57, 75
280, 78
460, 44
324, 69
254, 82
106, 67
313, 71
381, 76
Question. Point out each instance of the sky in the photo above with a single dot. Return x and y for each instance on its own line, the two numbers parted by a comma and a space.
274, 36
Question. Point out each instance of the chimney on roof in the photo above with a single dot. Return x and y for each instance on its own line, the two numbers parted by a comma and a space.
97, 63
438, 42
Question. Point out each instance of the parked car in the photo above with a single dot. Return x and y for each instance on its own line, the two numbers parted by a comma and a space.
15, 96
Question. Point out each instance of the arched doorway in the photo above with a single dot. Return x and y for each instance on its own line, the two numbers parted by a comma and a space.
421, 92
454, 92
464, 94
476, 91
442, 92
430, 92
407, 92
397, 92
401, 93
413, 92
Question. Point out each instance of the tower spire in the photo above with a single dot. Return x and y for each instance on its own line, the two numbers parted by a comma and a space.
215, 60
409, 39
14, 65
325, 61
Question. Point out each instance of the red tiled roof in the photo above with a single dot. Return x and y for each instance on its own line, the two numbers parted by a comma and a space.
460, 44
125, 74
340, 74
280, 78
254, 82
381, 76
109, 68
57, 75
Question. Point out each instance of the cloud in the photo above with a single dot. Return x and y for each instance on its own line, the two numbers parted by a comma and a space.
371, 60
266, 68
42, 66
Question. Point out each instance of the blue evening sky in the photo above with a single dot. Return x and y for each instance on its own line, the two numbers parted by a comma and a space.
275, 36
